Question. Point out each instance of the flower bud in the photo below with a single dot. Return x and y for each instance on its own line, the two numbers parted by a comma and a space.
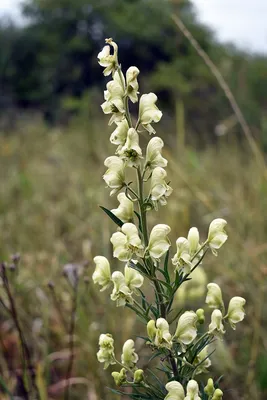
148, 111
217, 235
236, 312
106, 352
151, 330
132, 84
119, 377
216, 327
126, 243
153, 154
159, 242
209, 389
138, 376
115, 175
214, 296
131, 151
159, 190
200, 316
125, 211
192, 391
186, 330
129, 358
102, 274
175, 391
218, 395
107, 60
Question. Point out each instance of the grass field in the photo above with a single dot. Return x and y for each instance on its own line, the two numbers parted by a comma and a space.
51, 187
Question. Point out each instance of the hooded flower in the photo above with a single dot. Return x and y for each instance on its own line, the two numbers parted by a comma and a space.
125, 211
163, 337
132, 84
203, 361
133, 278
129, 358
148, 111
192, 391
153, 154
126, 243
209, 388
115, 175
159, 242
131, 151
216, 327
139, 376
217, 235
107, 60
159, 190
214, 296
102, 272
175, 391
182, 257
106, 350
186, 330
151, 330
121, 292
114, 99
119, 377
188, 252
119, 136
236, 312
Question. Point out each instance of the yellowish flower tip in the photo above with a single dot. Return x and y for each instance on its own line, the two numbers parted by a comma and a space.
159, 242
129, 358
102, 274
186, 330
236, 312
200, 316
119, 377
216, 327
127, 243
217, 235
175, 391
218, 395
192, 391
138, 376
125, 210
106, 350
209, 388
214, 296
151, 330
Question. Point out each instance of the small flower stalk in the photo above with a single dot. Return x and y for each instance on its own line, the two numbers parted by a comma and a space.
145, 258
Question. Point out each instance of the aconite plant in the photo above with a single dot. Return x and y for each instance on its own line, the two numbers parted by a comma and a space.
180, 340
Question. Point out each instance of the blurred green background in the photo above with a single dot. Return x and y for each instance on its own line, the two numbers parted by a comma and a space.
53, 141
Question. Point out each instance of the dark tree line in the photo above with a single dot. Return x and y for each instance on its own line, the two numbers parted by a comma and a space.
52, 57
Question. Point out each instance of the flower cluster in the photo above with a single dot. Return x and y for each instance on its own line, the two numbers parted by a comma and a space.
145, 253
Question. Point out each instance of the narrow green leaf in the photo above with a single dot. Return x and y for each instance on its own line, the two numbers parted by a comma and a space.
112, 216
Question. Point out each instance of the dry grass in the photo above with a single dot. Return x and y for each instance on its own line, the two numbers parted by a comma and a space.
51, 187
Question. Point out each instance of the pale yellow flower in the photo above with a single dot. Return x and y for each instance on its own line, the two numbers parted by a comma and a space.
175, 391
236, 312
127, 242
159, 242
217, 235
153, 154
214, 296
106, 350
125, 210
107, 60
115, 175
131, 151
129, 358
159, 189
102, 274
132, 83
148, 111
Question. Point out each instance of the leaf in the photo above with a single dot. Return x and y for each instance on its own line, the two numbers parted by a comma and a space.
112, 216
166, 261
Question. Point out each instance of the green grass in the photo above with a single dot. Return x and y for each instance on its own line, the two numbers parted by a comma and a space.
51, 187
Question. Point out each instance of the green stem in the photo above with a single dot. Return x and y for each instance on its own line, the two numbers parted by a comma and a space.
141, 206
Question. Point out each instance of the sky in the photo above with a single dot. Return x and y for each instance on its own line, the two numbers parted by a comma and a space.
241, 21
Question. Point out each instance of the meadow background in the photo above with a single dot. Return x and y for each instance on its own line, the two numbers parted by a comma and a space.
53, 141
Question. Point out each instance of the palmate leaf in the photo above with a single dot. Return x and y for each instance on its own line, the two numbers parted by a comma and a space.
112, 216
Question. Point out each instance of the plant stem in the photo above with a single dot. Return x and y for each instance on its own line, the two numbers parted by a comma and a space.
71, 336
141, 206
26, 355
